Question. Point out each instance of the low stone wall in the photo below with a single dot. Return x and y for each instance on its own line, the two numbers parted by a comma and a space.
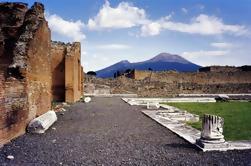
171, 84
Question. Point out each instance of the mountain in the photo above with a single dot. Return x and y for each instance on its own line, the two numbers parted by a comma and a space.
161, 62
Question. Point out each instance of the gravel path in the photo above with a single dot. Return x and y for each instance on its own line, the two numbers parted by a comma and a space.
107, 131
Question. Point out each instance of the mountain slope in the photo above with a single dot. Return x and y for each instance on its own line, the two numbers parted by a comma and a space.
161, 62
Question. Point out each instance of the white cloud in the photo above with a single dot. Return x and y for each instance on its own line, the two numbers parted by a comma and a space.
203, 53
151, 29
124, 15
70, 29
222, 45
154, 28
202, 24
184, 10
114, 46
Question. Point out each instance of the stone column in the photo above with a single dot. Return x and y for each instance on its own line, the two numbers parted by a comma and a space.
212, 131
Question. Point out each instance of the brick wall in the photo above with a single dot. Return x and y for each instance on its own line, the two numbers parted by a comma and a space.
67, 72
195, 77
25, 69
58, 52
164, 84
14, 114
73, 73
39, 72
31, 70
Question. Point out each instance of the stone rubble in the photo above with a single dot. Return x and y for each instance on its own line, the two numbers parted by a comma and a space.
87, 99
10, 157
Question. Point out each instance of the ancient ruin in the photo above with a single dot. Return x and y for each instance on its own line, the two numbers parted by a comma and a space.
212, 131
40, 124
171, 83
26, 72
67, 72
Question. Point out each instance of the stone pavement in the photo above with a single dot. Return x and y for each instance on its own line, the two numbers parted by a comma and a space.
107, 131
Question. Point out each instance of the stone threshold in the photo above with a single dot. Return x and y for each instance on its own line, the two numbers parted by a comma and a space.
191, 134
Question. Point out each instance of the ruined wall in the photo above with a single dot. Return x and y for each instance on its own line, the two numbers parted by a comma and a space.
32, 69
139, 75
162, 84
39, 72
73, 73
25, 79
58, 52
67, 72
195, 77
219, 69
204, 77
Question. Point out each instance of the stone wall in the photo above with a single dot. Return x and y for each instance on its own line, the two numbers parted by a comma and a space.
67, 72
224, 68
25, 73
221, 77
73, 81
164, 84
33, 70
58, 51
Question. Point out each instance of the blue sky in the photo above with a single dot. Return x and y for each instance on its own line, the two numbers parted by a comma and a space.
215, 32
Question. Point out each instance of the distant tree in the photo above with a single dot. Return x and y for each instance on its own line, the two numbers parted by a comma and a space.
115, 75
118, 74
91, 73
150, 69
128, 70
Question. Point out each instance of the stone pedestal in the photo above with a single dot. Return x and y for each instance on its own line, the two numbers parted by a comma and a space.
212, 133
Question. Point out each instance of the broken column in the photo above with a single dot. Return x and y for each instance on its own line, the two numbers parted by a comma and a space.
212, 132
40, 124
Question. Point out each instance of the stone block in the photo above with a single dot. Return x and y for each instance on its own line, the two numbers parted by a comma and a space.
40, 124
87, 99
152, 105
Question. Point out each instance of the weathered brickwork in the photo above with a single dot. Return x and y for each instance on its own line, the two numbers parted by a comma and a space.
27, 72
163, 84
25, 67
58, 51
67, 72
194, 77
224, 69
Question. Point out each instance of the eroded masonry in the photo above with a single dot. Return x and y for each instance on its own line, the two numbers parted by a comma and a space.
31, 68
67, 72
209, 80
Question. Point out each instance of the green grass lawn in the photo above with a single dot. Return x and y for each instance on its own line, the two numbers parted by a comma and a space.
237, 117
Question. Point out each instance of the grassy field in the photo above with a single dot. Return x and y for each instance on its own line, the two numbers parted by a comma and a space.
237, 117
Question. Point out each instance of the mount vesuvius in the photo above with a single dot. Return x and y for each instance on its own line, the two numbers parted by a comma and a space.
161, 62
